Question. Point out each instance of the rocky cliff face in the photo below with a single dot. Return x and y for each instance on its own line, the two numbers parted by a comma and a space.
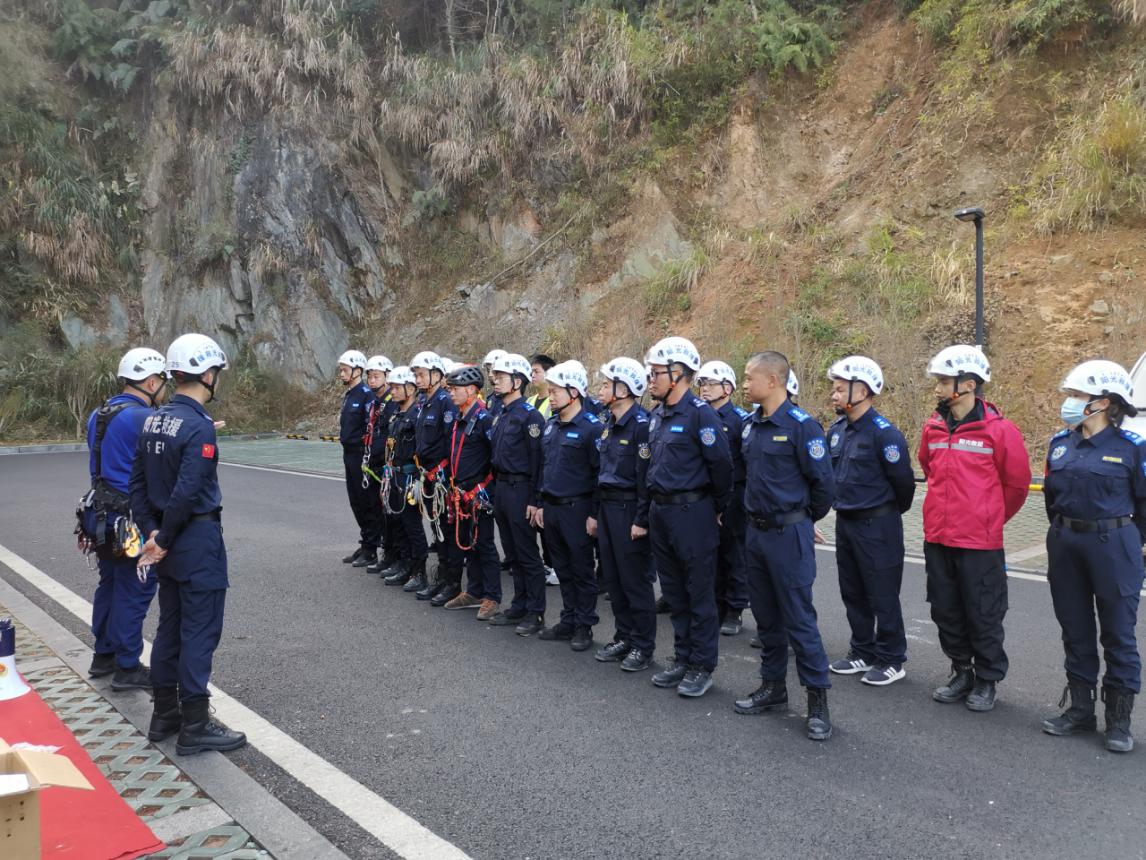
254, 233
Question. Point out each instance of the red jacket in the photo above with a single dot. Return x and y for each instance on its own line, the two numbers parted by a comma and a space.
977, 478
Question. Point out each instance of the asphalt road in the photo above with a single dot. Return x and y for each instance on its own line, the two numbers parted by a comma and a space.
517, 748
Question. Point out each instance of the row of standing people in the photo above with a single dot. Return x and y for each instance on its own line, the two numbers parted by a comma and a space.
721, 504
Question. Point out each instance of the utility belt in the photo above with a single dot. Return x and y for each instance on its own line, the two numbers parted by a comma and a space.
679, 498
869, 513
776, 521
407, 469
562, 501
612, 494
104, 526
1107, 525
109, 498
210, 516
512, 479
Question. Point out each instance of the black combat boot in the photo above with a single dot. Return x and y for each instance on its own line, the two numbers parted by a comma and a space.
819, 723
1119, 704
380, 565
958, 687
200, 733
102, 664
399, 572
429, 589
417, 581
982, 697
769, 695
1079, 717
165, 717
369, 556
354, 556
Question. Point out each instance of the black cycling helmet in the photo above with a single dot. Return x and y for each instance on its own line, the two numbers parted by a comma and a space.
468, 375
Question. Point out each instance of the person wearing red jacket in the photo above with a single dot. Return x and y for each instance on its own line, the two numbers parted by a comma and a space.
978, 476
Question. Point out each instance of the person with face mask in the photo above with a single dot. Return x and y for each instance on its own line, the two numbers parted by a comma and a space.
874, 487
978, 476
1095, 491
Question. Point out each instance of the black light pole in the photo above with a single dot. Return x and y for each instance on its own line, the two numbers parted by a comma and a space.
975, 213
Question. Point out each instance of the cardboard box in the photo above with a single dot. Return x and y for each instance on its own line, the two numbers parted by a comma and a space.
23, 775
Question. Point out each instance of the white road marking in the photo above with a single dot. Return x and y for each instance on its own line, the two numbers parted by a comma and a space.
281, 471
373, 813
1027, 553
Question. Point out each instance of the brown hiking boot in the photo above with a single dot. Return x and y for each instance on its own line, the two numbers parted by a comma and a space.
488, 609
463, 601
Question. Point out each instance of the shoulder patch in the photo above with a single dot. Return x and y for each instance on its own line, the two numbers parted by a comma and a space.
644, 451
1133, 437
1065, 432
525, 404
834, 439
534, 430
1057, 452
816, 449
593, 419
708, 436
697, 402
208, 451
447, 417
881, 422
746, 429
741, 412
642, 418
798, 413
891, 453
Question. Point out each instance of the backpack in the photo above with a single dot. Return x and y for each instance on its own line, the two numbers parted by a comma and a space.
104, 526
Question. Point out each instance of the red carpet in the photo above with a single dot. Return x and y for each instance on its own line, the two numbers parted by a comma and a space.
75, 824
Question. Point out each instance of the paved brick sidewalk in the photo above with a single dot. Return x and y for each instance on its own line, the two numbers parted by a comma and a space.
1024, 535
192, 825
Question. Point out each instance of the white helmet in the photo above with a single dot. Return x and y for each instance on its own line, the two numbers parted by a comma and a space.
511, 363
858, 368
961, 360
674, 350
139, 363
401, 375
793, 385
352, 358
1102, 378
718, 371
629, 371
568, 374
379, 362
492, 356
194, 354
429, 361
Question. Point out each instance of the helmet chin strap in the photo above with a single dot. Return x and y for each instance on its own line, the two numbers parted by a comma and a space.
150, 397
210, 386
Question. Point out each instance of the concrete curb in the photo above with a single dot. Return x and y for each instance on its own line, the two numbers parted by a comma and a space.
72, 447
277, 828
